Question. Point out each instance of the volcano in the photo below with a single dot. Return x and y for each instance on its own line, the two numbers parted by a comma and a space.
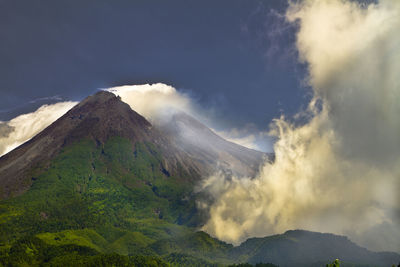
104, 116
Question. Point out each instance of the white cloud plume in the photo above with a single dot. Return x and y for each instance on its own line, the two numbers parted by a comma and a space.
156, 102
340, 172
22, 128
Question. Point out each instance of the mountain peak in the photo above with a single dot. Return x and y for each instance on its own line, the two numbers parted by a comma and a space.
103, 115
97, 118
100, 97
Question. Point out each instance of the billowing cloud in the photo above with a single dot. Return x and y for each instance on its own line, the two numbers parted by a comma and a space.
340, 171
156, 102
22, 128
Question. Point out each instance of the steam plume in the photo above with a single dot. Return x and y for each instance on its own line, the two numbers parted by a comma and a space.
340, 172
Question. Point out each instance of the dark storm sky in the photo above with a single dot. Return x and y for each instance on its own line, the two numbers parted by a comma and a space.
236, 57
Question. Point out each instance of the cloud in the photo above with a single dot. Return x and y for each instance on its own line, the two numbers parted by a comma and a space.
248, 136
23, 127
159, 102
156, 102
340, 171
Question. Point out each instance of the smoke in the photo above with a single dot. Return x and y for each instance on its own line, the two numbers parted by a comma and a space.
23, 127
340, 171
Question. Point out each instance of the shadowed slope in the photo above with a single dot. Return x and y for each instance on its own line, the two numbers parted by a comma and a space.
206, 146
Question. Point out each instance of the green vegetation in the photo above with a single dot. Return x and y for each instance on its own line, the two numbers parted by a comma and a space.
179, 259
335, 263
88, 185
93, 200
256, 265
35, 252
115, 205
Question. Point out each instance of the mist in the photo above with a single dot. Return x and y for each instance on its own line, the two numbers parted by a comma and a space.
340, 171
248, 136
23, 127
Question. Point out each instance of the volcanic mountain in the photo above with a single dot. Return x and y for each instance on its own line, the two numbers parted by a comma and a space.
96, 119
104, 116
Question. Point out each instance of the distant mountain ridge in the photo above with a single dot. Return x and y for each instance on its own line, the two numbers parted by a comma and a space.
305, 248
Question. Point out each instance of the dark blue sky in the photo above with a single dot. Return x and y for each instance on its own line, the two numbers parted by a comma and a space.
236, 57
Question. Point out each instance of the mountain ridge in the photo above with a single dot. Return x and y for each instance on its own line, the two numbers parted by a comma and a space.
297, 247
